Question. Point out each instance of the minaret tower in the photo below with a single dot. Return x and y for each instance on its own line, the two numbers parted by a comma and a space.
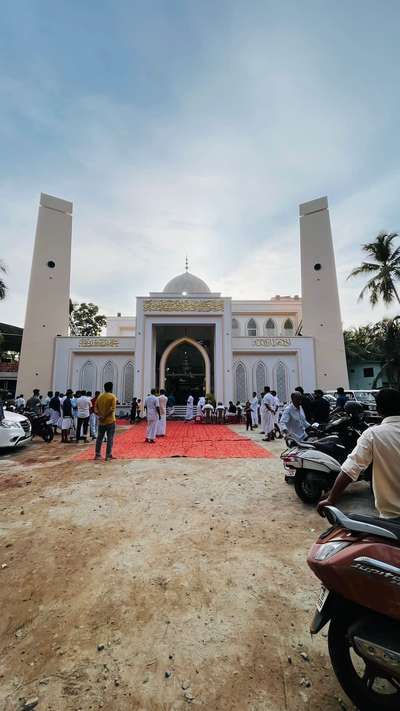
320, 295
47, 309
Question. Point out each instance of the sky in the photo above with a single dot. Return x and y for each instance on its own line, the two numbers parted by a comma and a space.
196, 128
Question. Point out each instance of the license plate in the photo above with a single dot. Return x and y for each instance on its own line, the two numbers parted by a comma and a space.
290, 471
322, 598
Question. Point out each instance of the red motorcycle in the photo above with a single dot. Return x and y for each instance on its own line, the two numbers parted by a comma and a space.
358, 562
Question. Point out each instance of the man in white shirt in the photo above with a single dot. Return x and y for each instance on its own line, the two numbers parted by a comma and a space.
83, 405
277, 403
162, 422
380, 445
20, 403
293, 421
153, 415
189, 408
208, 412
267, 414
254, 410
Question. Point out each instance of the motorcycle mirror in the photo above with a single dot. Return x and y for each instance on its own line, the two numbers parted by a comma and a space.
315, 424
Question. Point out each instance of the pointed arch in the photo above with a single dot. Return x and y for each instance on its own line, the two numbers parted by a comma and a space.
235, 327
251, 327
88, 376
128, 380
288, 327
240, 382
270, 327
172, 346
109, 374
260, 377
281, 381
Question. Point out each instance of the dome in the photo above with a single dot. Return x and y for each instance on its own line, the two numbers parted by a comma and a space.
186, 283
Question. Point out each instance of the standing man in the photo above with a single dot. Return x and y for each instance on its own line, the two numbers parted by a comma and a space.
153, 415
162, 422
66, 420
293, 421
55, 410
134, 408
380, 445
105, 408
267, 414
93, 419
20, 403
34, 403
277, 404
254, 411
46, 403
189, 408
341, 398
320, 408
83, 405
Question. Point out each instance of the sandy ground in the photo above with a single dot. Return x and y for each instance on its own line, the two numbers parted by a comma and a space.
158, 585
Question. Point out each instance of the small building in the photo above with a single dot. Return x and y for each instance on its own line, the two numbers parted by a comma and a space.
362, 375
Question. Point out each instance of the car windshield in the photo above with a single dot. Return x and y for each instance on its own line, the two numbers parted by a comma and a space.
365, 396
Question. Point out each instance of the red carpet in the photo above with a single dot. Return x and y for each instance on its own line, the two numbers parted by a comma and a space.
183, 440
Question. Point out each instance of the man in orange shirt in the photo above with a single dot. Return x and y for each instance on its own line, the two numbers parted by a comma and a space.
105, 407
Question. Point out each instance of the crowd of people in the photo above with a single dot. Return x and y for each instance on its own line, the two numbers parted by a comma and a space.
76, 415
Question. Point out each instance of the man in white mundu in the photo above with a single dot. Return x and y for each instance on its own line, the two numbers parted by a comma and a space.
254, 410
153, 415
267, 413
189, 408
162, 422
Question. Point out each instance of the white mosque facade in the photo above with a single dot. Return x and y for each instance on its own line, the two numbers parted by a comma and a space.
186, 338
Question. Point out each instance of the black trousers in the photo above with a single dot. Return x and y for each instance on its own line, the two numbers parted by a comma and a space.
248, 421
83, 422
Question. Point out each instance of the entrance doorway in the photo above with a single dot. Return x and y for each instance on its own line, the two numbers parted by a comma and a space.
185, 373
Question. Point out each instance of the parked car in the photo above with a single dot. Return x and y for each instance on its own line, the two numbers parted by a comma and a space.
366, 398
15, 430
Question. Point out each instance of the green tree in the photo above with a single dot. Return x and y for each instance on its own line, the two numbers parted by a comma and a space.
360, 344
384, 271
3, 285
387, 342
85, 320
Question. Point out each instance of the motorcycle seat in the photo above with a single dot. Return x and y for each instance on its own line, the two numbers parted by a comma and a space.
388, 524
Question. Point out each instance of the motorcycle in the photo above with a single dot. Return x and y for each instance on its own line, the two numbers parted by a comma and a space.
357, 561
40, 426
313, 465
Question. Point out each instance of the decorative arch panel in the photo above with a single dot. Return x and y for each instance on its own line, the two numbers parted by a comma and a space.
88, 376
110, 373
128, 381
241, 382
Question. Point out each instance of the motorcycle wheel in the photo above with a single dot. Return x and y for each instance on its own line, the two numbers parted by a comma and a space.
363, 683
307, 490
48, 434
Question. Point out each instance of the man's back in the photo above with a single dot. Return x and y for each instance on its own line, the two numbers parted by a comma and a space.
151, 404
381, 445
105, 408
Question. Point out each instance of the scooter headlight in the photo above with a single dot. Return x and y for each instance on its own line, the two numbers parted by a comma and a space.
327, 550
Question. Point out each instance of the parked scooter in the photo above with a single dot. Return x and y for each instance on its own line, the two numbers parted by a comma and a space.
314, 464
40, 426
358, 563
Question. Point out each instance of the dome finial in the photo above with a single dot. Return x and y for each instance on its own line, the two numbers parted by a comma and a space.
187, 264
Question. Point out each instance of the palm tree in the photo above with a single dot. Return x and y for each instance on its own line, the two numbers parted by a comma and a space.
387, 335
3, 285
385, 270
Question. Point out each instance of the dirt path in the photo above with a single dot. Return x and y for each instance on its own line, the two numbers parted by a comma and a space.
157, 585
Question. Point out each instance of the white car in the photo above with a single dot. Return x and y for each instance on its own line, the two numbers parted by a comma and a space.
15, 430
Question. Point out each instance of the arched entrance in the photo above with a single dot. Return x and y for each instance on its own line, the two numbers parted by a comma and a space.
185, 368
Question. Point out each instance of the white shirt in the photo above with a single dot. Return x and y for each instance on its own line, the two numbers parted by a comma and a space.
83, 404
268, 401
162, 403
20, 402
209, 407
294, 421
277, 402
151, 404
380, 445
254, 404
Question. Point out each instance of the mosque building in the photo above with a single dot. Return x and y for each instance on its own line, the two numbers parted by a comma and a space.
186, 338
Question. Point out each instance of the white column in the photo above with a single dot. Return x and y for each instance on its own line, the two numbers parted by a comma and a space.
47, 310
320, 295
